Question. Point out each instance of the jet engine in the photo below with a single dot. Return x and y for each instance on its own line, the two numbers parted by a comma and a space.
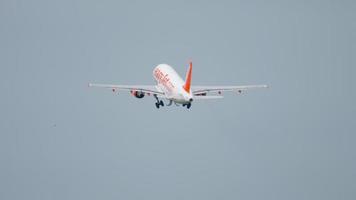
138, 94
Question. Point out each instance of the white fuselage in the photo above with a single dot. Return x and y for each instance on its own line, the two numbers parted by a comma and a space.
171, 84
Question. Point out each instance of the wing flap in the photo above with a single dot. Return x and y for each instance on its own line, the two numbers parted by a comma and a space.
207, 97
205, 89
143, 88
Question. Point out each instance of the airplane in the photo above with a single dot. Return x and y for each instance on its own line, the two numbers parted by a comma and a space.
170, 86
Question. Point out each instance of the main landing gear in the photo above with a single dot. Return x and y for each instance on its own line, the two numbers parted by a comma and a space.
159, 102
188, 105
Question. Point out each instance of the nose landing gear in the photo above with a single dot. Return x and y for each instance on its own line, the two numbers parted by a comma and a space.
170, 103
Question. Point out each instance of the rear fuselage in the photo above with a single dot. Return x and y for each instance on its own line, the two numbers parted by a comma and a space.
171, 84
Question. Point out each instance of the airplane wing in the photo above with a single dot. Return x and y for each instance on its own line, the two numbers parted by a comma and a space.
150, 89
203, 90
200, 97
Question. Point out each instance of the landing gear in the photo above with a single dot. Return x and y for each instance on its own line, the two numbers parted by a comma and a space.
159, 102
170, 103
188, 105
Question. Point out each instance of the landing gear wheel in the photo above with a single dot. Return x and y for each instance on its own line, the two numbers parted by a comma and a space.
188, 106
159, 102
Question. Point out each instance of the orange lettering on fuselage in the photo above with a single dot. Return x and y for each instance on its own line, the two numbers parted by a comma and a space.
164, 79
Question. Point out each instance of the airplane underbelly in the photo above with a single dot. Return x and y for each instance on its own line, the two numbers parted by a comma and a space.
181, 101
167, 91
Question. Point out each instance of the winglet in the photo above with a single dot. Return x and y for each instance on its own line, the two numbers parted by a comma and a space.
188, 78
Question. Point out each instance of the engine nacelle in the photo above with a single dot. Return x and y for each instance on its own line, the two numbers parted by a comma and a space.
138, 94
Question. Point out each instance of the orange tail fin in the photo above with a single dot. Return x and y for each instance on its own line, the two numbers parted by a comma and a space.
188, 78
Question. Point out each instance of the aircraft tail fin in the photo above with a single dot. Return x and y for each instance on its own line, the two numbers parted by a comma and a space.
188, 78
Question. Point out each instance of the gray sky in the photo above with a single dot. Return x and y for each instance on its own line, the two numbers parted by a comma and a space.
61, 140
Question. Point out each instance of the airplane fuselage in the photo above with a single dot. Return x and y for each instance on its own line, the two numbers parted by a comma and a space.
171, 84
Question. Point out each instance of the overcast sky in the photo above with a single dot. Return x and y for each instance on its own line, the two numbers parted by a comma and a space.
61, 140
